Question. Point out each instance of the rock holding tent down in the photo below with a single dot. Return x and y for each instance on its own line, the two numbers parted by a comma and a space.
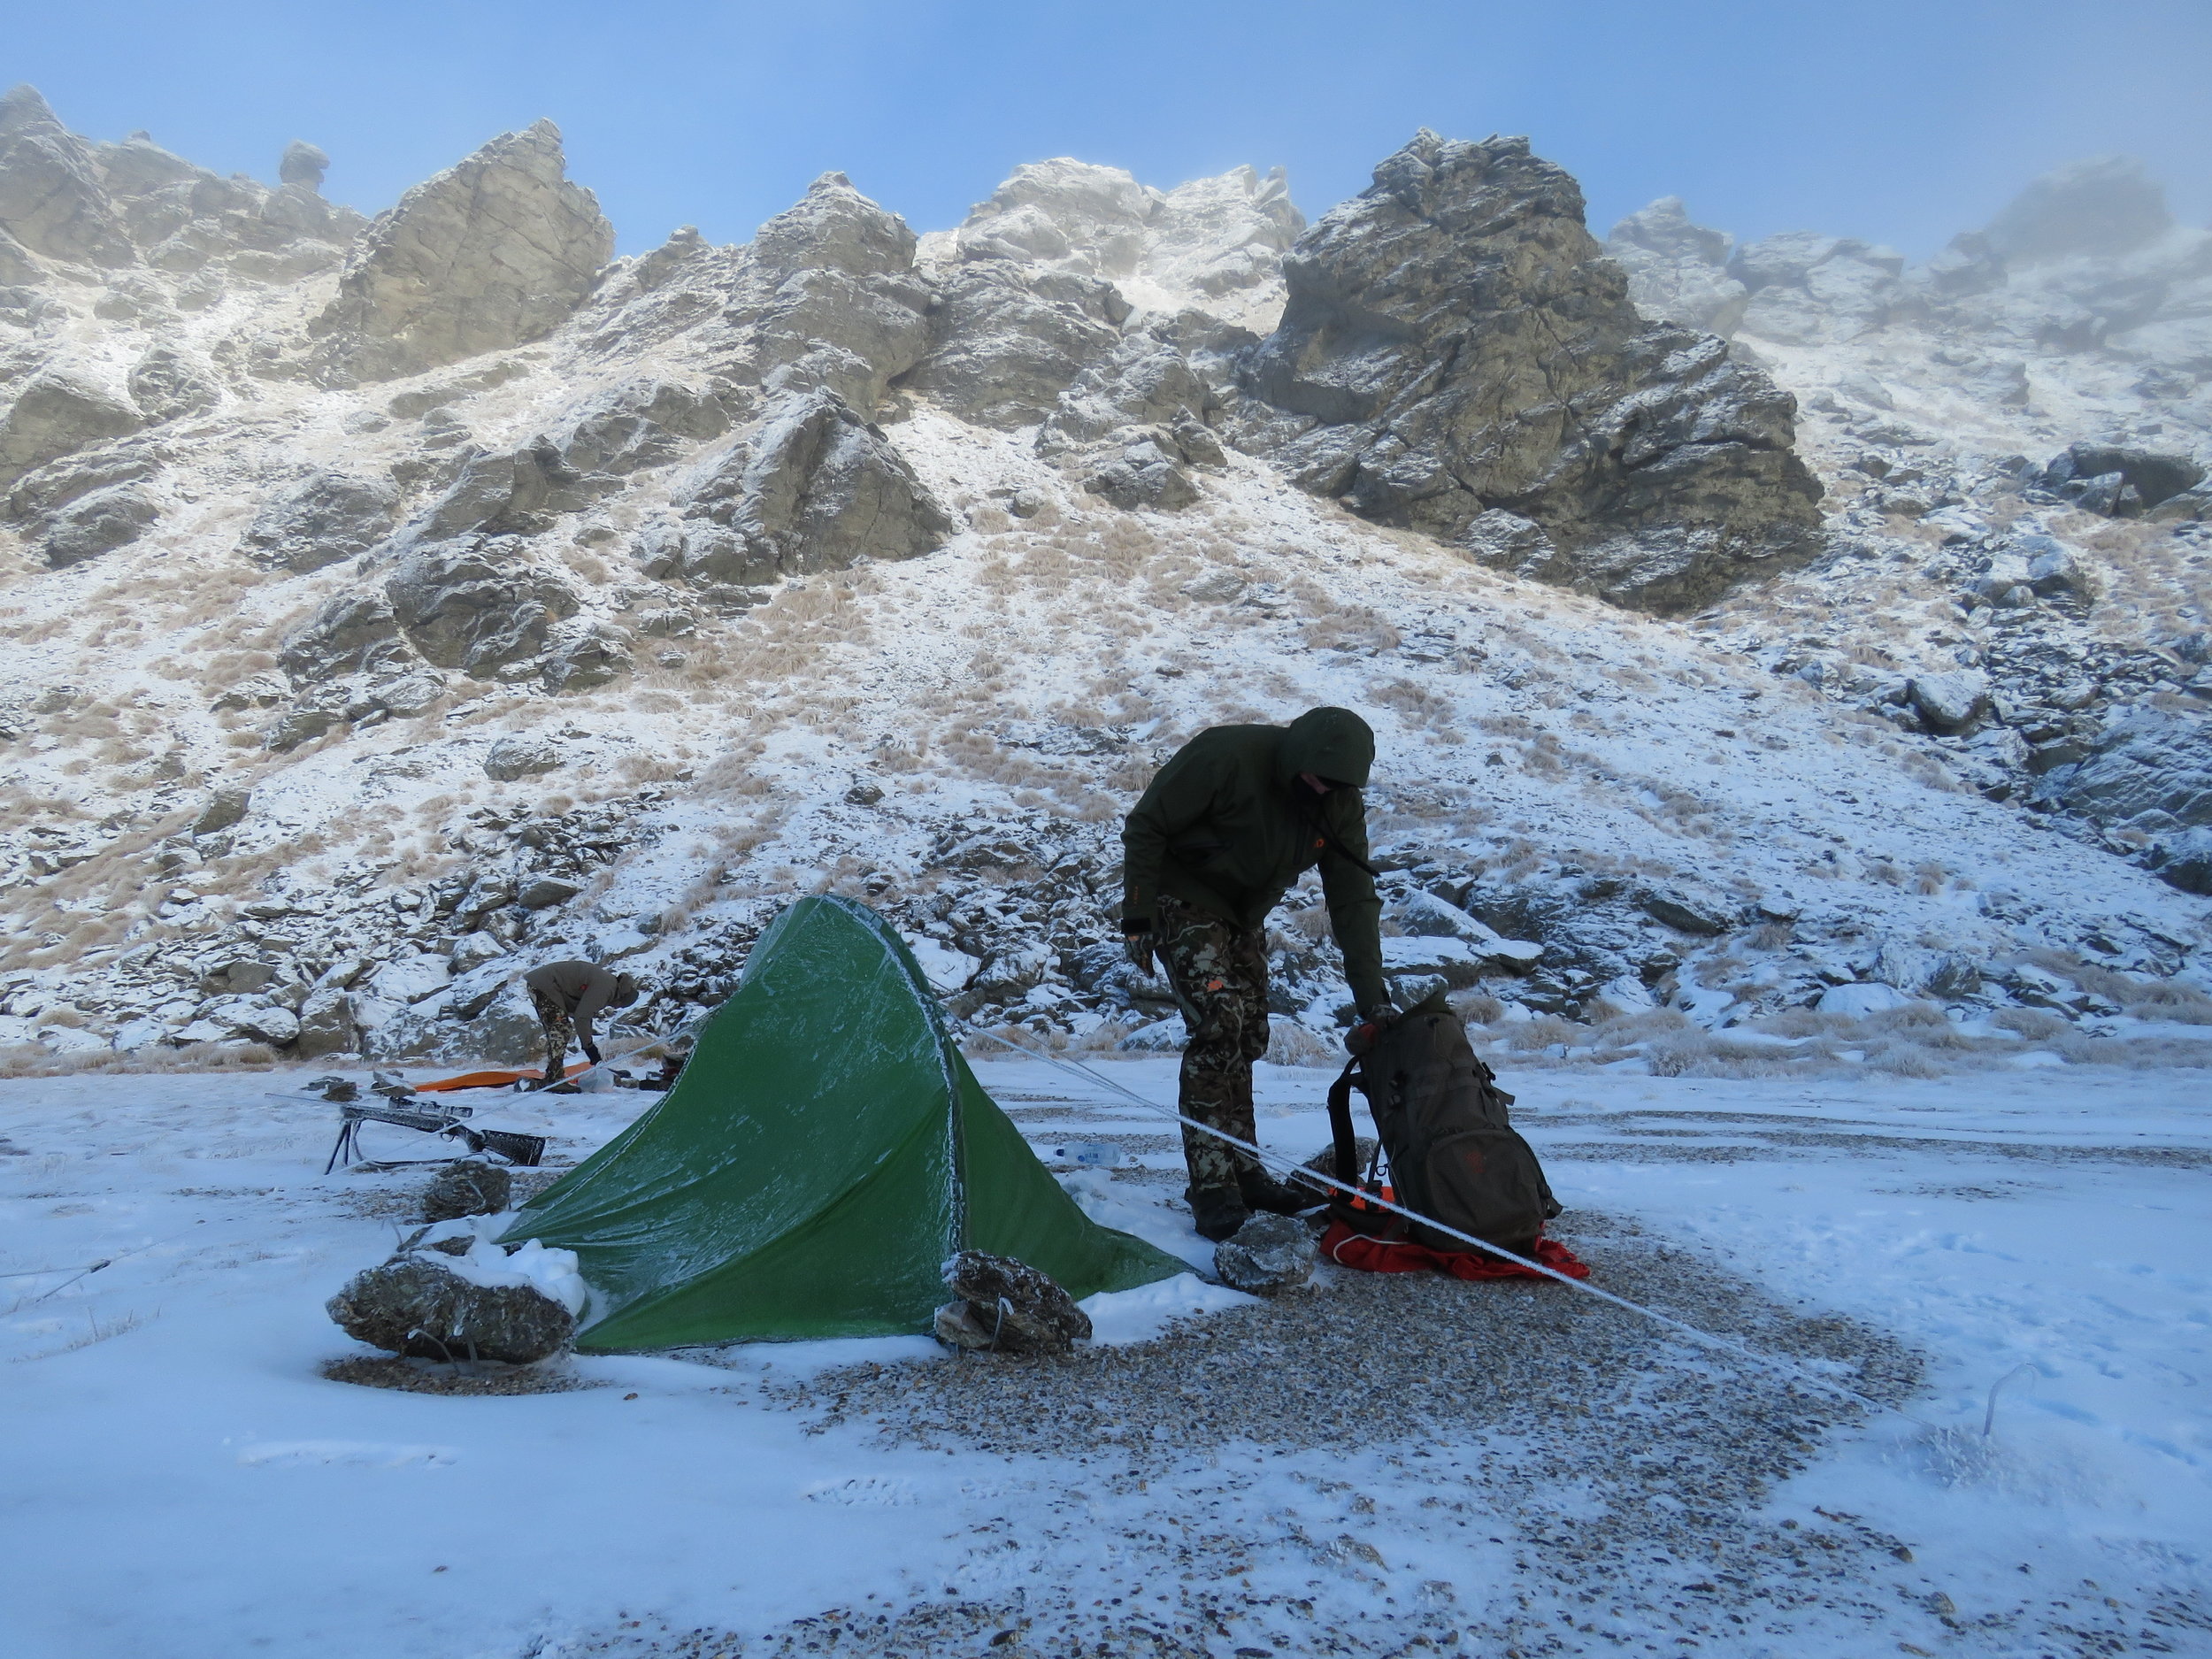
434, 1306
1266, 1256
470, 1187
1002, 1306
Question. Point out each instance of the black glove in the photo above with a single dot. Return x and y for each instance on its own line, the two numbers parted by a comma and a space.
1138, 939
591, 1054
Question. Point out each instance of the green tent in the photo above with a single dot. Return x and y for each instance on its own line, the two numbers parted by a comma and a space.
825, 1152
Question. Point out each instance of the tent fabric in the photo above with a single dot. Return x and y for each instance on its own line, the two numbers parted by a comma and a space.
825, 1152
1348, 1248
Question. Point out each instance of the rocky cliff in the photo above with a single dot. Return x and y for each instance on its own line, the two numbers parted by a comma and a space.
394, 601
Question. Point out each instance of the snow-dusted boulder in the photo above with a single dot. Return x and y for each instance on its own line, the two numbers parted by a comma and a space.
814, 488
60, 412
1421, 396
522, 755
326, 518
99, 522
477, 607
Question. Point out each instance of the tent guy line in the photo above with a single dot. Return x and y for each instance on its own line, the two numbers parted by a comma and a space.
1281, 1166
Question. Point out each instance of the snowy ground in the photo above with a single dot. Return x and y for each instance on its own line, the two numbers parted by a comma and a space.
178, 1480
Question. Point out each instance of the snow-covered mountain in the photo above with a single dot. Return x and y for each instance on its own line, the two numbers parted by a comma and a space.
1809, 663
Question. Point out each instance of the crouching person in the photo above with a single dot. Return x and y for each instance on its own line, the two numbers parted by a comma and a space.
568, 996
1234, 818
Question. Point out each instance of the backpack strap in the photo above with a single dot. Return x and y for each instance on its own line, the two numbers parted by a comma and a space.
1341, 1126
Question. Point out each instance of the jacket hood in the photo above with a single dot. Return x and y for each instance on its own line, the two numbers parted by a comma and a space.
1331, 743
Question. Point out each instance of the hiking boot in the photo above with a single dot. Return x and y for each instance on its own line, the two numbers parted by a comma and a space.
1262, 1191
1217, 1211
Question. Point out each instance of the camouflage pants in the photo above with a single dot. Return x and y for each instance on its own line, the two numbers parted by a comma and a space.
1220, 972
560, 1032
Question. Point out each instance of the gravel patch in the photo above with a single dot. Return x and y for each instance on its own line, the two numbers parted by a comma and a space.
427, 1377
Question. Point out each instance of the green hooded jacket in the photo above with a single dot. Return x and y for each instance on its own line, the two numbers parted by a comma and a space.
1226, 827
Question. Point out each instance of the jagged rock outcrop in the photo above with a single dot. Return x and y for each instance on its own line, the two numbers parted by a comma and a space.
1006, 340
813, 487
494, 252
1677, 270
324, 518
351, 632
1039, 280
52, 201
1455, 343
1135, 420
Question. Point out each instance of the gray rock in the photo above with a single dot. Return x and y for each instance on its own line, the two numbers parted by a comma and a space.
640, 424
224, 808
303, 163
494, 252
1661, 470
1676, 269
1950, 702
326, 518
476, 607
58, 413
51, 200
521, 755
418, 1305
1008, 1307
168, 384
1268, 1254
466, 1187
326, 1023
353, 632
2108, 204
540, 892
40, 496
2184, 861
260, 1022
588, 658
1685, 912
815, 488
99, 522
2082, 475
2148, 762
1007, 341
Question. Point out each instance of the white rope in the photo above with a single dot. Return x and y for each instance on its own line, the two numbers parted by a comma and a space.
1275, 1161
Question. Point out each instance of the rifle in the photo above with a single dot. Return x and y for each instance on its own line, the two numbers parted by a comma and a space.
522, 1150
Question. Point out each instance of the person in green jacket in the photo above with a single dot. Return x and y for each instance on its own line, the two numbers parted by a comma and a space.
1235, 817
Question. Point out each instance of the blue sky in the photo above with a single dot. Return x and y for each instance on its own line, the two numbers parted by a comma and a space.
1897, 122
